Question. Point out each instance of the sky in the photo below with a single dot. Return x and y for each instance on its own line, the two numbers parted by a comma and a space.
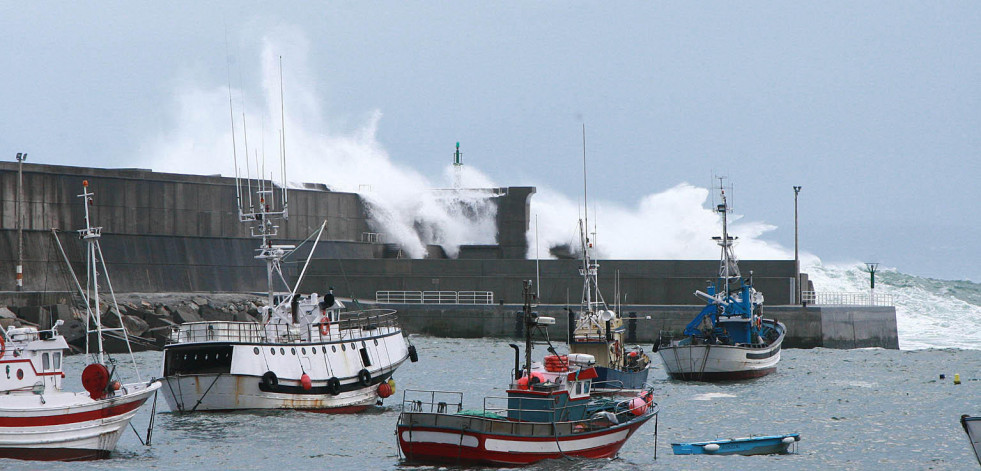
873, 108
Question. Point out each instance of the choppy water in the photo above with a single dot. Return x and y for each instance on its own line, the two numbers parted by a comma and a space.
855, 409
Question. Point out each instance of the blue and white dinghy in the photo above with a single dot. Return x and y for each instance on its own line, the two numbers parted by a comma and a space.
763, 445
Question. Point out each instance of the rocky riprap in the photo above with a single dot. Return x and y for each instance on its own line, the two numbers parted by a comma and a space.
148, 317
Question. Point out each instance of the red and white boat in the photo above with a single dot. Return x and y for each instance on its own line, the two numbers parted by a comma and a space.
40, 420
548, 412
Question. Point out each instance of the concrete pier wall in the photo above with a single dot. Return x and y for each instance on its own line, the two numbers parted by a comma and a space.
807, 327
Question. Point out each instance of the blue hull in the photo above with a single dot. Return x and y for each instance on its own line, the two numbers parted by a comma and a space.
774, 444
611, 378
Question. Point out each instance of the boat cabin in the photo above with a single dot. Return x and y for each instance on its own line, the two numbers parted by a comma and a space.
551, 394
31, 360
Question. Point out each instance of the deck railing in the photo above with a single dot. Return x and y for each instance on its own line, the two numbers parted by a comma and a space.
351, 325
832, 298
435, 297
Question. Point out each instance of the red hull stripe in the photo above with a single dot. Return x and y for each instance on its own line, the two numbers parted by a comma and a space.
61, 419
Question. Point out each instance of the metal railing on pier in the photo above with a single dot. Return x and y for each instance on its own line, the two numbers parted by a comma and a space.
435, 297
832, 298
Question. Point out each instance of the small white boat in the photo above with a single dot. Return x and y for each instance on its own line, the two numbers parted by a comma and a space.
39, 420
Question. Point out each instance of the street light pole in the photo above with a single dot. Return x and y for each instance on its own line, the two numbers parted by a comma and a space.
796, 250
21, 157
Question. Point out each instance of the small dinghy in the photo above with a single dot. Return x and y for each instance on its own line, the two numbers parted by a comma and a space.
765, 445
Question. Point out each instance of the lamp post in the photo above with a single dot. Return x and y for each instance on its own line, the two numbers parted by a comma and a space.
871, 269
796, 250
21, 157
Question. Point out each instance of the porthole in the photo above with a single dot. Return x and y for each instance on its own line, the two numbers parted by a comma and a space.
363, 344
333, 348
293, 351
272, 350
206, 356
324, 349
282, 351
20, 373
343, 348
303, 351
255, 350
376, 342
353, 346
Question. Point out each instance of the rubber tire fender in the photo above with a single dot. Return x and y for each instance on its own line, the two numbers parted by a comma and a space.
334, 386
270, 380
364, 377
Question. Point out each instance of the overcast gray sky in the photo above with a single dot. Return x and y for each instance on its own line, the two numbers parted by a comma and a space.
873, 107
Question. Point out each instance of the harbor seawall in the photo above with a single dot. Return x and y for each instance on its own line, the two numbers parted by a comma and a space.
807, 327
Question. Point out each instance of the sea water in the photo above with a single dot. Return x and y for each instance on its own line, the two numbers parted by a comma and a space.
855, 409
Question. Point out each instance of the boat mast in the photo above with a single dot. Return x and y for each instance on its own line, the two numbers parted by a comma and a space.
529, 323
728, 267
91, 236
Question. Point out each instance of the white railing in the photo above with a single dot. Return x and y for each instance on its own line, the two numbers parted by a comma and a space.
435, 297
846, 299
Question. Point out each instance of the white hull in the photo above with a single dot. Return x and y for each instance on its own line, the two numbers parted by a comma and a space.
68, 425
195, 380
683, 360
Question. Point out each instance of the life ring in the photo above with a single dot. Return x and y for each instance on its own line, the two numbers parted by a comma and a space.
325, 325
364, 377
334, 386
270, 380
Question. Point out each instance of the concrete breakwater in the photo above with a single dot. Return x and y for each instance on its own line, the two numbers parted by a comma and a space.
151, 316
807, 327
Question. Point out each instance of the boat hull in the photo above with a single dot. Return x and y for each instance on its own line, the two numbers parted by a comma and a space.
223, 376
473, 444
703, 362
69, 426
972, 426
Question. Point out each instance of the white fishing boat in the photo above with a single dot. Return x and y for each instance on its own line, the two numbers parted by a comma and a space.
40, 420
306, 352
729, 339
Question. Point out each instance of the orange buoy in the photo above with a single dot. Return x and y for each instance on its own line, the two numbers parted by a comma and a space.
638, 406
384, 390
305, 382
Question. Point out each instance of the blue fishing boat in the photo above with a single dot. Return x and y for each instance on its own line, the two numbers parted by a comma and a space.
729, 339
766, 445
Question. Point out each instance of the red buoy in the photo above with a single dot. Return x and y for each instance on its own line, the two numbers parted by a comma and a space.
384, 390
95, 378
306, 382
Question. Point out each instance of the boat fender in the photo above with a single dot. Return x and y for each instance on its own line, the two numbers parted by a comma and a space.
638, 406
391, 383
364, 377
325, 325
413, 356
384, 390
334, 386
711, 447
3, 346
787, 440
270, 380
306, 382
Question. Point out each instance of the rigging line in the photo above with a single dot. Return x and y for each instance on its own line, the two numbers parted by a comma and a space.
119, 314
205, 392
231, 115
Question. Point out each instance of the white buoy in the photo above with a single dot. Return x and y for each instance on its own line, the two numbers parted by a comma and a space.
788, 440
711, 447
